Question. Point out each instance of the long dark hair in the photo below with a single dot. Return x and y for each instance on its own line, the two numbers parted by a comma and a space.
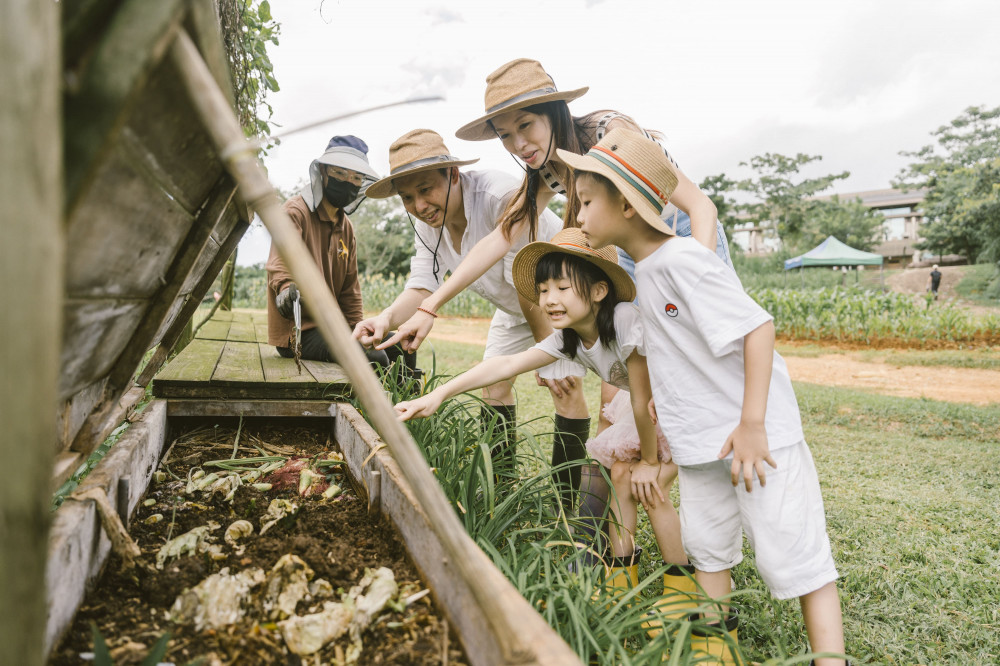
583, 275
576, 134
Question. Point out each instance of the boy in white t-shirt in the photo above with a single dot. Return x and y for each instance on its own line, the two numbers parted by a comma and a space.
722, 395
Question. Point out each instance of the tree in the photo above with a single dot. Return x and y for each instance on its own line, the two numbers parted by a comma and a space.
785, 200
960, 173
717, 188
850, 222
384, 237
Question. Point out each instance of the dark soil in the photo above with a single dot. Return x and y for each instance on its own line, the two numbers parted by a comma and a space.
337, 539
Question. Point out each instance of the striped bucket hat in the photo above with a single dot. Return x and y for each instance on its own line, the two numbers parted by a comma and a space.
639, 169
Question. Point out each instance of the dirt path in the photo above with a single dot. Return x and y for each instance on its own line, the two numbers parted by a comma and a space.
979, 387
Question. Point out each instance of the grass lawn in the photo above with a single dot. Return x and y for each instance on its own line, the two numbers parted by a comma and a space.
912, 493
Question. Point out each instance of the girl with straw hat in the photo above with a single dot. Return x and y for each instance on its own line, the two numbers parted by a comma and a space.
454, 210
587, 298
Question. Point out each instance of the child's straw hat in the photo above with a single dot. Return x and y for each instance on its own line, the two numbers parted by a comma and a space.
517, 84
637, 166
569, 241
416, 151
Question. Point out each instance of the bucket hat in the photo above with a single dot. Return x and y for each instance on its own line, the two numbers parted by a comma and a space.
639, 169
346, 152
517, 84
416, 151
569, 241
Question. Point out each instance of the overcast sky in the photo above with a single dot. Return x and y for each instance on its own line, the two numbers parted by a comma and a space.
853, 81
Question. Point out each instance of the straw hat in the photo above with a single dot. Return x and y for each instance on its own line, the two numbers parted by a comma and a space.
416, 151
569, 241
517, 84
637, 166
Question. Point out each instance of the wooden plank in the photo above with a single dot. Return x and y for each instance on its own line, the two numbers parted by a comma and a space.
135, 41
94, 333
263, 408
176, 150
31, 259
203, 26
326, 373
74, 412
162, 303
195, 364
278, 370
260, 327
78, 546
174, 332
359, 441
242, 329
214, 329
238, 391
239, 364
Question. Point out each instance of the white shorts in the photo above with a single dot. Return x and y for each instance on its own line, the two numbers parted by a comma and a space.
511, 335
784, 521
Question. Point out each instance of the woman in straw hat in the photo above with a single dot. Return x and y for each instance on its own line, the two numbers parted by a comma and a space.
587, 298
454, 211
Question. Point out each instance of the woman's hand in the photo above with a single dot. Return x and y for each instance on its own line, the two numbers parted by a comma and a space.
412, 333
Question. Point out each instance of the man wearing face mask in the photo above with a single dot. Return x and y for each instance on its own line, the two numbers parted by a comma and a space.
337, 180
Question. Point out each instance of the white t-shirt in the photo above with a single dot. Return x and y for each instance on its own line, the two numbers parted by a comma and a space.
695, 315
485, 195
608, 361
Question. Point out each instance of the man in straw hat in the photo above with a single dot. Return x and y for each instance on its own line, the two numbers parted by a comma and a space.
337, 179
722, 395
454, 211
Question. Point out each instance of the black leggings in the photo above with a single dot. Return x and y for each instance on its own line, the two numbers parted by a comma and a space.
314, 348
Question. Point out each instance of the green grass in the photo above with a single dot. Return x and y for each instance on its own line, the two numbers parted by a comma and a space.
980, 284
983, 359
911, 489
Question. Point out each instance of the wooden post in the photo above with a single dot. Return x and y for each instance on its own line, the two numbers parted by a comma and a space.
31, 270
254, 187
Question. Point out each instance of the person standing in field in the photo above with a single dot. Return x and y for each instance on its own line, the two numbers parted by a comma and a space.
455, 210
722, 395
934, 281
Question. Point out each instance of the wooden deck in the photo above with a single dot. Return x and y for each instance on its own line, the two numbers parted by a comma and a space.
230, 359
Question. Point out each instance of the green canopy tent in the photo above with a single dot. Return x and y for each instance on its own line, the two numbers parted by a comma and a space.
832, 252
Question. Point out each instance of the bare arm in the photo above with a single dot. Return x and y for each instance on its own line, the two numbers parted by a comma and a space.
371, 331
645, 471
748, 441
490, 371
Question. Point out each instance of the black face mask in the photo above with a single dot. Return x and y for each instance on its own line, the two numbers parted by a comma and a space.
340, 193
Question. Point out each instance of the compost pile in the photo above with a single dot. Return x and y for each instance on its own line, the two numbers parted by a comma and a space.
265, 557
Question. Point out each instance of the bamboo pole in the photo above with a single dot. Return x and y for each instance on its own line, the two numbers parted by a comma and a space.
31, 270
241, 161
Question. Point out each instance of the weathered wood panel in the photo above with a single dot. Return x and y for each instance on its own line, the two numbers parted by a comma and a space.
195, 364
76, 410
278, 370
239, 364
124, 260
262, 408
242, 329
135, 41
215, 328
78, 546
223, 228
94, 334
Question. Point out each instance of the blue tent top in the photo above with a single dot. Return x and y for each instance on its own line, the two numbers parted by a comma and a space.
832, 252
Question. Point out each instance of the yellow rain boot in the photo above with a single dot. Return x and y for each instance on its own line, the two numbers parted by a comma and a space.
706, 643
621, 574
680, 596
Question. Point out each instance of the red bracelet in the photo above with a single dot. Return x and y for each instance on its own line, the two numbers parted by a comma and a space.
426, 311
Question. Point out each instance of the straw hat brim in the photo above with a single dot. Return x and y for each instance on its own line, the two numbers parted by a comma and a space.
641, 205
523, 270
384, 188
479, 130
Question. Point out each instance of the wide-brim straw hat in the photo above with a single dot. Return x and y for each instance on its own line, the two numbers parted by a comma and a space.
569, 241
517, 84
416, 151
637, 166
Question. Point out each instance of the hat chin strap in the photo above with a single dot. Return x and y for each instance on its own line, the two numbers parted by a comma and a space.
436, 265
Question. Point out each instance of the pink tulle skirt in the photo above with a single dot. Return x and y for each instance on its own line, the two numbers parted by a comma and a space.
620, 441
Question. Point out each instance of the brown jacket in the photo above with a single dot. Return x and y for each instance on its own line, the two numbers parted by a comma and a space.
332, 245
